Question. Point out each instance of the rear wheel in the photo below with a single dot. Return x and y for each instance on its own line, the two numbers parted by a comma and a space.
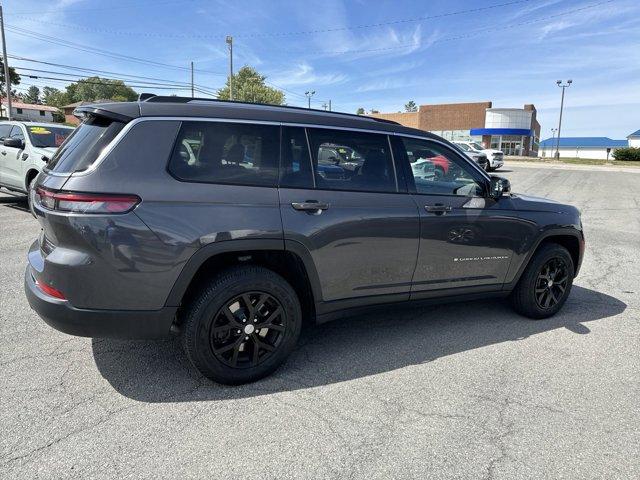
545, 284
242, 325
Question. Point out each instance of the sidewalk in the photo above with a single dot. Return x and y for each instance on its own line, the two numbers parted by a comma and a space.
529, 162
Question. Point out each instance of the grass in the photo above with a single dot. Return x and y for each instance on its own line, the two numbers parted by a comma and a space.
574, 161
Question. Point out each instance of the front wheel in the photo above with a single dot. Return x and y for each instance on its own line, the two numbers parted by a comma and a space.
242, 325
545, 283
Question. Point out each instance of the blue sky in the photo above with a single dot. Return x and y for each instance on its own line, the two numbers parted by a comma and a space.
375, 54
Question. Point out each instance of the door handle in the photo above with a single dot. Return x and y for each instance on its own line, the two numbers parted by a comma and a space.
312, 207
438, 208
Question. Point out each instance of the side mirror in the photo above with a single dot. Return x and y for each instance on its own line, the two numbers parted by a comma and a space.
500, 186
14, 143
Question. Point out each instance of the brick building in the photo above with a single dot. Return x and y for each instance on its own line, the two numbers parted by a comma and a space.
515, 131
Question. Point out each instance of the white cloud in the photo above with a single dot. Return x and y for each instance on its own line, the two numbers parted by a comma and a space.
305, 74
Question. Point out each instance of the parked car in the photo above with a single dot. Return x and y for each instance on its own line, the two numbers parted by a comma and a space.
495, 157
25, 149
478, 157
139, 240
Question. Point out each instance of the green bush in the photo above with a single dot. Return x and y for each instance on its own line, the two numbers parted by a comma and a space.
630, 154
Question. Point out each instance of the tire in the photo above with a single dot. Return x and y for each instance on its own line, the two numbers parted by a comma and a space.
219, 337
29, 188
529, 298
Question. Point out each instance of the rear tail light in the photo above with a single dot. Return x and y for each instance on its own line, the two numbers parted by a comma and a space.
49, 290
85, 202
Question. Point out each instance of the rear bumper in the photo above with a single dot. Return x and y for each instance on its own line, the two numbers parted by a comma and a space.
62, 316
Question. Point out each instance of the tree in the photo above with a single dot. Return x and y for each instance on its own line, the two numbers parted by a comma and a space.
374, 111
15, 78
360, 111
32, 95
249, 86
410, 106
96, 88
54, 97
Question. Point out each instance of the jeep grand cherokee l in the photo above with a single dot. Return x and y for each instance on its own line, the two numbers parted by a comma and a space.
211, 220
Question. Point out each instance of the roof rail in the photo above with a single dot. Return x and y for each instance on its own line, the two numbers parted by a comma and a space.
151, 98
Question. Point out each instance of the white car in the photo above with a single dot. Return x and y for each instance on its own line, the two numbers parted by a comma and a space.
495, 157
25, 148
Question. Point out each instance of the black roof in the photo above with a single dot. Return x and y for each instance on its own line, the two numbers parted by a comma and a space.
157, 106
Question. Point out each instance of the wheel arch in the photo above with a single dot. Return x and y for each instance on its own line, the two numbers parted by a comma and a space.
571, 239
31, 174
293, 264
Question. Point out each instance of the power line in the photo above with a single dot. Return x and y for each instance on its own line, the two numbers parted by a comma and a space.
98, 51
120, 76
276, 34
457, 37
130, 6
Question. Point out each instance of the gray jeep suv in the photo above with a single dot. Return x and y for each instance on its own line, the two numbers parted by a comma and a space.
212, 220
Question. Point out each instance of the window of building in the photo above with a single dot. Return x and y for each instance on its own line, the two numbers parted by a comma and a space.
438, 170
18, 110
351, 160
42, 113
232, 153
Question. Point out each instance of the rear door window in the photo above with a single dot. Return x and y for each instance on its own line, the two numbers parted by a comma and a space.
230, 153
82, 148
351, 160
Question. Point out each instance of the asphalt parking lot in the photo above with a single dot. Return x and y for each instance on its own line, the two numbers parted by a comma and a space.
452, 391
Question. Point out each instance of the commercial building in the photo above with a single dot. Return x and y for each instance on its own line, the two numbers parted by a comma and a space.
27, 111
634, 139
599, 148
515, 131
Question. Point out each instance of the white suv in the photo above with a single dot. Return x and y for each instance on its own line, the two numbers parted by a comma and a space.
495, 157
25, 148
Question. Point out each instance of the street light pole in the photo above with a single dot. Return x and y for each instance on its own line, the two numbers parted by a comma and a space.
7, 78
229, 41
309, 94
553, 137
563, 86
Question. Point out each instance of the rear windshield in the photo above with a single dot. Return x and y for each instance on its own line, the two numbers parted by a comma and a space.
84, 145
46, 136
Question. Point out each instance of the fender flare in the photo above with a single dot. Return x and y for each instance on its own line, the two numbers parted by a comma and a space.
571, 231
206, 252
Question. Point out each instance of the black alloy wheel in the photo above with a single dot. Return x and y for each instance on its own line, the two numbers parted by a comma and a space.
248, 329
551, 283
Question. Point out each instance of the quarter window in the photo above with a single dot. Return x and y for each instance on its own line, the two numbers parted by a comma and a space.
437, 170
349, 160
232, 153
16, 132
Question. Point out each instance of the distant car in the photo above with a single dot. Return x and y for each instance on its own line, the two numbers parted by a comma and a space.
25, 148
424, 169
495, 158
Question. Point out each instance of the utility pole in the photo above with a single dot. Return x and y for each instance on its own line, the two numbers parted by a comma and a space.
329, 105
7, 78
563, 86
309, 94
324, 105
553, 138
192, 80
229, 41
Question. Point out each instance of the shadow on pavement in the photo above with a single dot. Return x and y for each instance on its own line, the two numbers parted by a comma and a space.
17, 202
346, 349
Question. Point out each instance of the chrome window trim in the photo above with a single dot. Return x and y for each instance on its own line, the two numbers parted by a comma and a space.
125, 130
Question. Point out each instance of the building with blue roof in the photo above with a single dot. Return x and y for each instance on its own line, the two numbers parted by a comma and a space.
601, 148
634, 139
